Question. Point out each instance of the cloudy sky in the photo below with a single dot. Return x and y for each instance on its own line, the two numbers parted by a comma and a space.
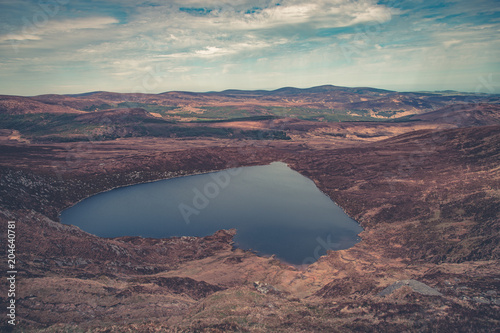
74, 46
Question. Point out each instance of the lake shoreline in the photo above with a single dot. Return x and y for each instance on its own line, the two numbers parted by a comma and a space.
272, 206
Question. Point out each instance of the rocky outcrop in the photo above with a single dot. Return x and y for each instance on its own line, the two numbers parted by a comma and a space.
414, 285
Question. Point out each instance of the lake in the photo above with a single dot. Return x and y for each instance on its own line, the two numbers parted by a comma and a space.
275, 210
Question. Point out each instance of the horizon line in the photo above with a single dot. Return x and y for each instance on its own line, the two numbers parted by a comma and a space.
255, 90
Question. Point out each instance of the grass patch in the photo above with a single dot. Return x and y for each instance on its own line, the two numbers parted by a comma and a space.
251, 118
328, 115
155, 108
150, 107
228, 112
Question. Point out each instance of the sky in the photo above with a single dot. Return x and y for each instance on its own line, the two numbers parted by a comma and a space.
75, 46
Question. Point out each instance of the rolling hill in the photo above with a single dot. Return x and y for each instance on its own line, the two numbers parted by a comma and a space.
464, 115
322, 103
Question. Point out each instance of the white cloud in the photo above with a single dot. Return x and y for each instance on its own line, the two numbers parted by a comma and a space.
224, 49
210, 51
338, 13
452, 42
47, 28
372, 14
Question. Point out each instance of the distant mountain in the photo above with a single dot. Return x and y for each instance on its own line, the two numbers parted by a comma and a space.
296, 91
324, 103
329, 90
84, 94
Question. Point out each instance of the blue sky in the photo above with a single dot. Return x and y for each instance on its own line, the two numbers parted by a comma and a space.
74, 46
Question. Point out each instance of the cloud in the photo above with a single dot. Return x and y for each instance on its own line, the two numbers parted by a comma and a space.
215, 29
226, 49
452, 42
189, 41
319, 14
41, 29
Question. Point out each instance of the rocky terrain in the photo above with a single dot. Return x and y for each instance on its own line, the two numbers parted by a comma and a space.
426, 192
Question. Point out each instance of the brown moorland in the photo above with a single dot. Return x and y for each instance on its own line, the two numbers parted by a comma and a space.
427, 194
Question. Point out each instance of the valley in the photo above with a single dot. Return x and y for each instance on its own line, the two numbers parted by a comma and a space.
419, 172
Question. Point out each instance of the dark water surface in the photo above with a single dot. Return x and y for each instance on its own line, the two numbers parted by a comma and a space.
276, 211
